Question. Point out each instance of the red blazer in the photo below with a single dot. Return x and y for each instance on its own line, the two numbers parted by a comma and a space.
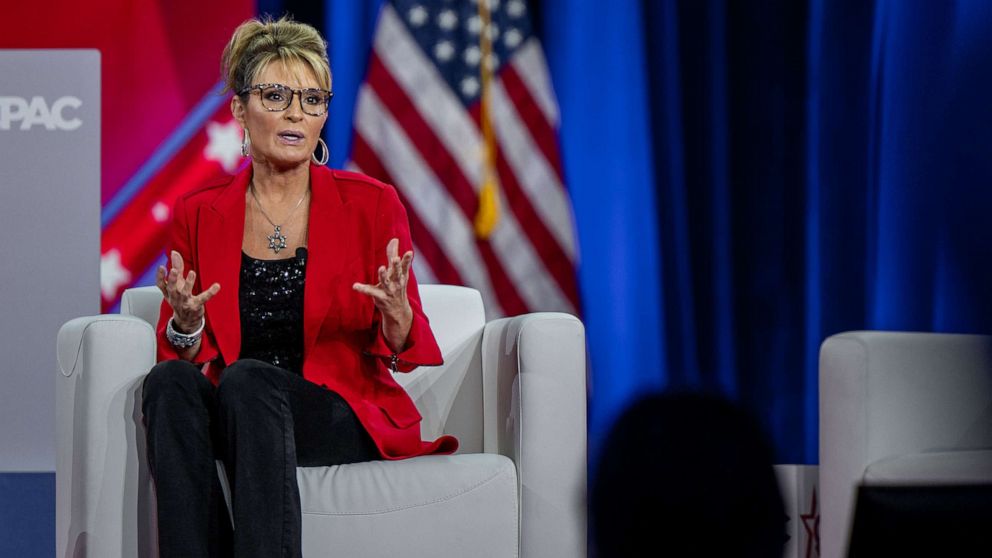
352, 218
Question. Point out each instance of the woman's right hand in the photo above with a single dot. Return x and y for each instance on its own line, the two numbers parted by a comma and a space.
187, 308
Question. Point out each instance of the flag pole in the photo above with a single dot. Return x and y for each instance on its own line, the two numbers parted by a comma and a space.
487, 216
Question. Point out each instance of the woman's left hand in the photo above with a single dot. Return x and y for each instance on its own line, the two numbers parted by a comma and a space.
389, 295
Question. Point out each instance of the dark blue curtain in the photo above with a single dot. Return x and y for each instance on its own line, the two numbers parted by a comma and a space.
750, 177
729, 131
817, 167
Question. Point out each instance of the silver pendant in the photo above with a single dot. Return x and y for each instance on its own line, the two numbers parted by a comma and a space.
277, 240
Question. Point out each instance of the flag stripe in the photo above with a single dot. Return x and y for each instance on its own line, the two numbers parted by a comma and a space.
552, 257
513, 257
531, 277
422, 269
425, 275
424, 193
432, 150
530, 113
521, 279
413, 89
414, 131
435, 102
419, 267
427, 248
533, 71
535, 175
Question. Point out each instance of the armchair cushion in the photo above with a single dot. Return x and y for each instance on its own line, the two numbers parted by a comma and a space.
465, 504
943, 467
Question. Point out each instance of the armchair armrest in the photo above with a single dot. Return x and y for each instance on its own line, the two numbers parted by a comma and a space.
103, 489
534, 399
885, 394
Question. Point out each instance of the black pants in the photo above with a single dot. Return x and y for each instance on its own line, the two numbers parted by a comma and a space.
263, 422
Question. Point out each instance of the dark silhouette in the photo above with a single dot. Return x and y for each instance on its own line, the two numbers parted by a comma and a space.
686, 475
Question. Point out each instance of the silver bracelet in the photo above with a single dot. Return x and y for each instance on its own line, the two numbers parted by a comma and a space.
183, 340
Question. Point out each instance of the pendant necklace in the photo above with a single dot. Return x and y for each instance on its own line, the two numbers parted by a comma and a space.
277, 240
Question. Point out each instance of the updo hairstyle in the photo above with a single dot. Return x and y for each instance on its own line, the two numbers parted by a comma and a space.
256, 43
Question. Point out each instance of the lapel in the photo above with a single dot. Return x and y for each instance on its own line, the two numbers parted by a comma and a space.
220, 230
330, 221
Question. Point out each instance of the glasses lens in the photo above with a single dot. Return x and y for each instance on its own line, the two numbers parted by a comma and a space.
276, 97
314, 101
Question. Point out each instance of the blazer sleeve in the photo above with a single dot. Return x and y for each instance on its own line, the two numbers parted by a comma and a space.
421, 347
180, 240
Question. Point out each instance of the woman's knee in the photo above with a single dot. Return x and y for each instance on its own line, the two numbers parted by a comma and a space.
172, 376
246, 377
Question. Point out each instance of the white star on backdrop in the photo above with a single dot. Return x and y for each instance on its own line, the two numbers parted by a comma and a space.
113, 275
470, 86
160, 212
452, 35
474, 25
472, 55
512, 38
444, 50
447, 20
515, 8
224, 145
418, 15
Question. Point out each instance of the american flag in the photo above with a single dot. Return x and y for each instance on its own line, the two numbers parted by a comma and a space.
457, 105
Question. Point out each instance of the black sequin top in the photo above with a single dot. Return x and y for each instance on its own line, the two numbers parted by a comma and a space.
271, 302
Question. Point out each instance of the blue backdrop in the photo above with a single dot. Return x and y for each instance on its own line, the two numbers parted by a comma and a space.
751, 177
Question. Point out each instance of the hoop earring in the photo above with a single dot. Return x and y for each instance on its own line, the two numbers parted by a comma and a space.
327, 153
245, 144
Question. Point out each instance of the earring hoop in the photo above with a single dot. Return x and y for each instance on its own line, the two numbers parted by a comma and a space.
324, 157
245, 144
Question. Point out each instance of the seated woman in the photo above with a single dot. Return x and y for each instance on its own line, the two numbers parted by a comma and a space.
271, 362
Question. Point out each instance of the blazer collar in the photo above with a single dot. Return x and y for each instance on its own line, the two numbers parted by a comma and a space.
221, 229
219, 233
331, 219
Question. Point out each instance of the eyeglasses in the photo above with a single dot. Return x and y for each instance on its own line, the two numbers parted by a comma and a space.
276, 97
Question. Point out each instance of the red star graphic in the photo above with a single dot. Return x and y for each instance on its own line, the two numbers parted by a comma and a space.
811, 522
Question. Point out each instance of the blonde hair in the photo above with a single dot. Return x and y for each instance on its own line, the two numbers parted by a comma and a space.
256, 43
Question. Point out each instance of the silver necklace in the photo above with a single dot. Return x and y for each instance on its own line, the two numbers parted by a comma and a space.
277, 240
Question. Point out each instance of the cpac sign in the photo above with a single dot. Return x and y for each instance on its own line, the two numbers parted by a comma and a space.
37, 112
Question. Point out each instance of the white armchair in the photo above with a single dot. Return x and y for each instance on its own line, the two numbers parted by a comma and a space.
509, 491
900, 408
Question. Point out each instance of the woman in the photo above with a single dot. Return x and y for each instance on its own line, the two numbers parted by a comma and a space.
271, 362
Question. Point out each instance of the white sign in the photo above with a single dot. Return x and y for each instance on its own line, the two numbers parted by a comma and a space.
50, 210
